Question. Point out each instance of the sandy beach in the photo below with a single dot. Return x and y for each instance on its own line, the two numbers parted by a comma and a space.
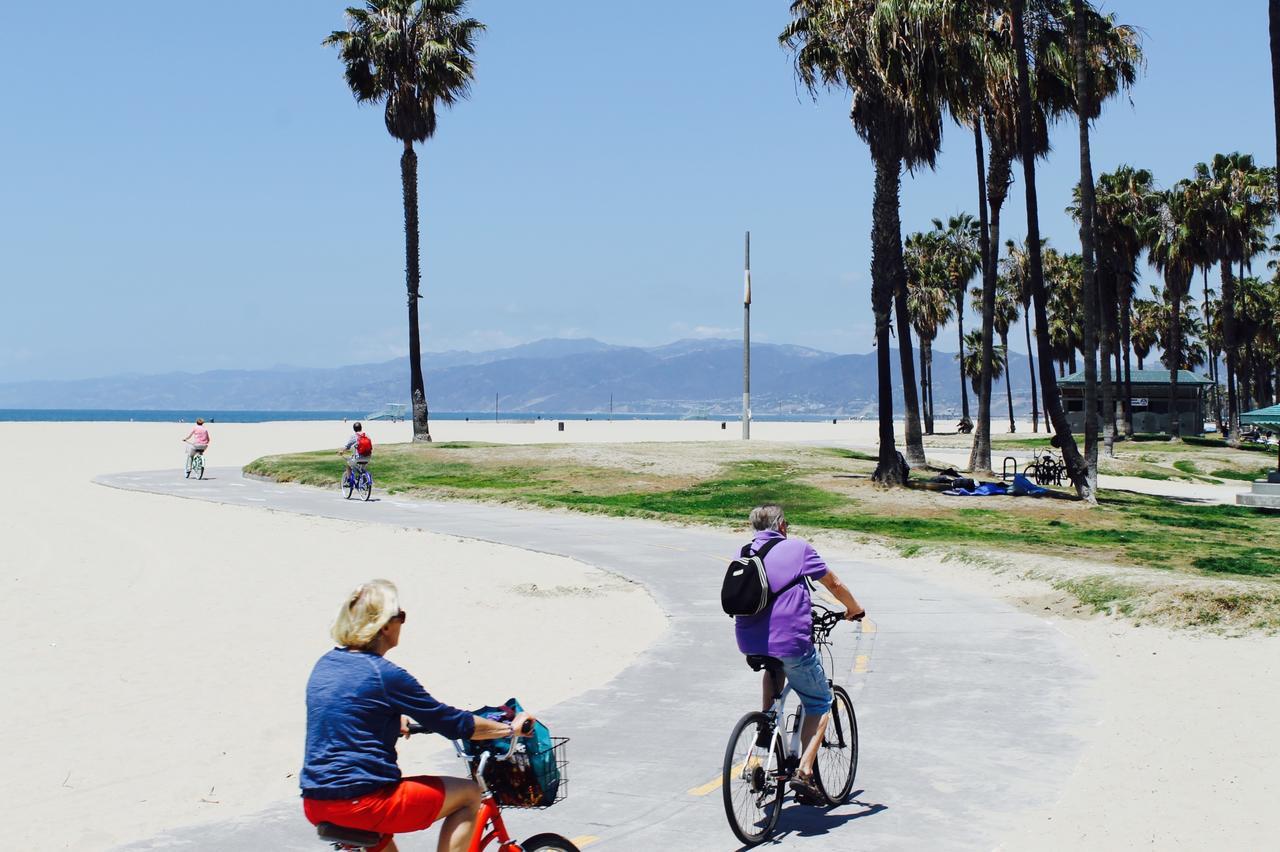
172, 638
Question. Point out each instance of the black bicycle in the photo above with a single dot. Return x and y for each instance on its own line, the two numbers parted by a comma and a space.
755, 776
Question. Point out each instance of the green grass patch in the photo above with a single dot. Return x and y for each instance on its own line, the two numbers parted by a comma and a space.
1129, 528
1253, 562
1187, 466
840, 452
1242, 475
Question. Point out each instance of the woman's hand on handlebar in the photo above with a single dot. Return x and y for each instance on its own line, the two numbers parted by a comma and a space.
851, 615
522, 724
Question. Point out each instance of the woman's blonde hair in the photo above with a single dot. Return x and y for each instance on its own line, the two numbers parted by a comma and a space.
364, 612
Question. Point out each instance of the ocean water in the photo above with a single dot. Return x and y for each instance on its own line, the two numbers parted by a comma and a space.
74, 415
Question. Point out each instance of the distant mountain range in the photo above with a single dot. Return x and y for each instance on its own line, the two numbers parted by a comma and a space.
685, 378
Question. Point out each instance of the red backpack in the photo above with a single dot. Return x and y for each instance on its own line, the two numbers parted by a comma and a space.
364, 447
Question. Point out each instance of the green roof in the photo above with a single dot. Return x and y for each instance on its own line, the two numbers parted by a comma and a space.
1262, 417
1144, 377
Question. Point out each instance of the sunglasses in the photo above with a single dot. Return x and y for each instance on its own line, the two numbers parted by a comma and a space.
400, 616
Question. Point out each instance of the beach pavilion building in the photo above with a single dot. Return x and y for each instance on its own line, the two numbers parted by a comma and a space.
1150, 401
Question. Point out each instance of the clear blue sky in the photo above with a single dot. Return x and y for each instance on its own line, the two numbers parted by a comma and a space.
192, 187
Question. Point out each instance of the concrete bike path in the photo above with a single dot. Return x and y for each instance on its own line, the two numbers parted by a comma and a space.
966, 706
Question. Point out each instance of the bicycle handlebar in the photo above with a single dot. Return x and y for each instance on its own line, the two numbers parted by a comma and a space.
525, 730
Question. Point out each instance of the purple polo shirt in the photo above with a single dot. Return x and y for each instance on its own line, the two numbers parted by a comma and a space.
783, 629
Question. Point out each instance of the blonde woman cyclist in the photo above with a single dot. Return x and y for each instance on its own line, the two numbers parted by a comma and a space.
358, 703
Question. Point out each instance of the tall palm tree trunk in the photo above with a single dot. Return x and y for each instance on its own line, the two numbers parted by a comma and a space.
1174, 353
1031, 365
931, 409
1213, 356
964, 385
906, 354
1274, 6
980, 454
926, 355
1126, 333
1075, 463
413, 278
885, 235
1229, 344
1008, 388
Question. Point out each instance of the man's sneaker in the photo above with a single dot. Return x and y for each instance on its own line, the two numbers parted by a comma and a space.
807, 792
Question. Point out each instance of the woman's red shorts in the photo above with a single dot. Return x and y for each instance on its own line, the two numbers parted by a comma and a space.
411, 805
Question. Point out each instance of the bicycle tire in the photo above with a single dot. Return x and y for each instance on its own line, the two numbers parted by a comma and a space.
366, 486
348, 485
200, 471
549, 842
839, 751
188, 476
767, 791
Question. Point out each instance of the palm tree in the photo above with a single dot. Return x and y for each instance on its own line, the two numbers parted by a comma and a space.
1113, 58
1004, 315
1075, 464
1016, 270
889, 57
1173, 253
414, 56
971, 364
1062, 278
958, 241
1124, 218
1240, 199
929, 305
1147, 326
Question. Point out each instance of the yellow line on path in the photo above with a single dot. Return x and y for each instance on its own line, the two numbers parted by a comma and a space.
711, 786
584, 840
860, 664
868, 626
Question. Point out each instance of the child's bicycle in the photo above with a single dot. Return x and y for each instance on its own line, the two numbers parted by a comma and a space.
755, 777
490, 826
195, 464
353, 484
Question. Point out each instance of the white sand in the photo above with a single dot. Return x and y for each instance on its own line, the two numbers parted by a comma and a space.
159, 647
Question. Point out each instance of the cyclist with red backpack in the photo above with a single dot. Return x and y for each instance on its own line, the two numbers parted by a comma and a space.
361, 449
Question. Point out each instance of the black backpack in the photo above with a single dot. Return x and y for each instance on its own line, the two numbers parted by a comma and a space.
745, 590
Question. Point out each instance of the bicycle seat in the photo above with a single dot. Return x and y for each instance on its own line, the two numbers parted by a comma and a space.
352, 837
761, 661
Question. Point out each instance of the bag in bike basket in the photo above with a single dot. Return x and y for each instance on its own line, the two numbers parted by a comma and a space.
745, 590
531, 778
364, 446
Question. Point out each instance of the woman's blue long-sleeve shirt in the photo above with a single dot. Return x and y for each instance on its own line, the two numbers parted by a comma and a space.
354, 704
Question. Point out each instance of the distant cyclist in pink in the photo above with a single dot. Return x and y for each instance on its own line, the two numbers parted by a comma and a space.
197, 440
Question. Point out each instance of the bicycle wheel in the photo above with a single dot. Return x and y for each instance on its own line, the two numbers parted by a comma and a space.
549, 842
188, 476
837, 762
348, 484
200, 468
366, 486
752, 795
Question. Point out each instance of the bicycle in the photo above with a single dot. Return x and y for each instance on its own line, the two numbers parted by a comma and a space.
195, 464
362, 484
490, 826
755, 777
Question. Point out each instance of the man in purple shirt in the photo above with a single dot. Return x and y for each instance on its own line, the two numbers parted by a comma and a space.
784, 630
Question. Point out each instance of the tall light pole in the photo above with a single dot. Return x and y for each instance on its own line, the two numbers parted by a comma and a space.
746, 345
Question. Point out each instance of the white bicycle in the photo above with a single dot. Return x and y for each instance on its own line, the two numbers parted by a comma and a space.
755, 777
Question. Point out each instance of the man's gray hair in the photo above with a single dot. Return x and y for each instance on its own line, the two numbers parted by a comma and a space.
767, 517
